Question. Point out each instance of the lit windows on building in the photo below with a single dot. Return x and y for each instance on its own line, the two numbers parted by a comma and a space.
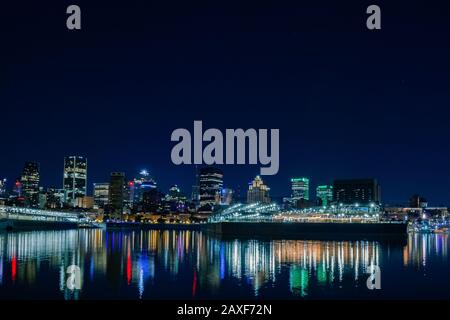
75, 178
300, 189
30, 183
101, 195
258, 192
210, 185
226, 197
324, 195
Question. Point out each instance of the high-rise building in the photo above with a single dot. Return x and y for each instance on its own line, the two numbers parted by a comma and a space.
324, 195
143, 183
101, 195
258, 191
116, 194
75, 178
356, 191
30, 183
210, 185
226, 198
300, 189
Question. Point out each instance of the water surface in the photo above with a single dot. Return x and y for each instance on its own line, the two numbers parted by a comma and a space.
194, 265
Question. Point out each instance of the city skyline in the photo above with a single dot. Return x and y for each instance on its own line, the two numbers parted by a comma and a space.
299, 187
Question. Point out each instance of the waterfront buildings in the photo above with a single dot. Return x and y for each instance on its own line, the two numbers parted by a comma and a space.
360, 191
116, 194
101, 195
75, 178
30, 183
324, 195
258, 191
300, 189
210, 188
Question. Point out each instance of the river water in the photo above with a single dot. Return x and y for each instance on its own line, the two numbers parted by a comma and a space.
193, 265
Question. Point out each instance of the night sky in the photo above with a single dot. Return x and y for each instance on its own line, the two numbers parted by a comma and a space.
349, 102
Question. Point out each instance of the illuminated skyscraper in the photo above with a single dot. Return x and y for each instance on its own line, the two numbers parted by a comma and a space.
101, 194
210, 185
30, 183
258, 191
75, 178
300, 189
324, 195
226, 196
136, 189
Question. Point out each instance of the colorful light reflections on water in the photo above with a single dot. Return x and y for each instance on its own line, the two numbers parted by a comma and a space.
191, 265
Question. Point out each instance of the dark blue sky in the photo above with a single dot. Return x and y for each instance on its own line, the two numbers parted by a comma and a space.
349, 102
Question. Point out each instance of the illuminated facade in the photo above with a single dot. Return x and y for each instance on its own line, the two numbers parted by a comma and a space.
139, 186
300, 188
30, 183
75, 178
226, 197
210, 185
258, 192
324, 195
101, 194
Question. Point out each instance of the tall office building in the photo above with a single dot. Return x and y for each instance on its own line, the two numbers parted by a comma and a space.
226, 197
116, 193
210, 186
75, 178
258, 191
30, 183
356, 191
140, 185
300, 189
324, 195
101, 194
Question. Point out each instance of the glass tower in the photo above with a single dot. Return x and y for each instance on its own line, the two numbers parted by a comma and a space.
75, 178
